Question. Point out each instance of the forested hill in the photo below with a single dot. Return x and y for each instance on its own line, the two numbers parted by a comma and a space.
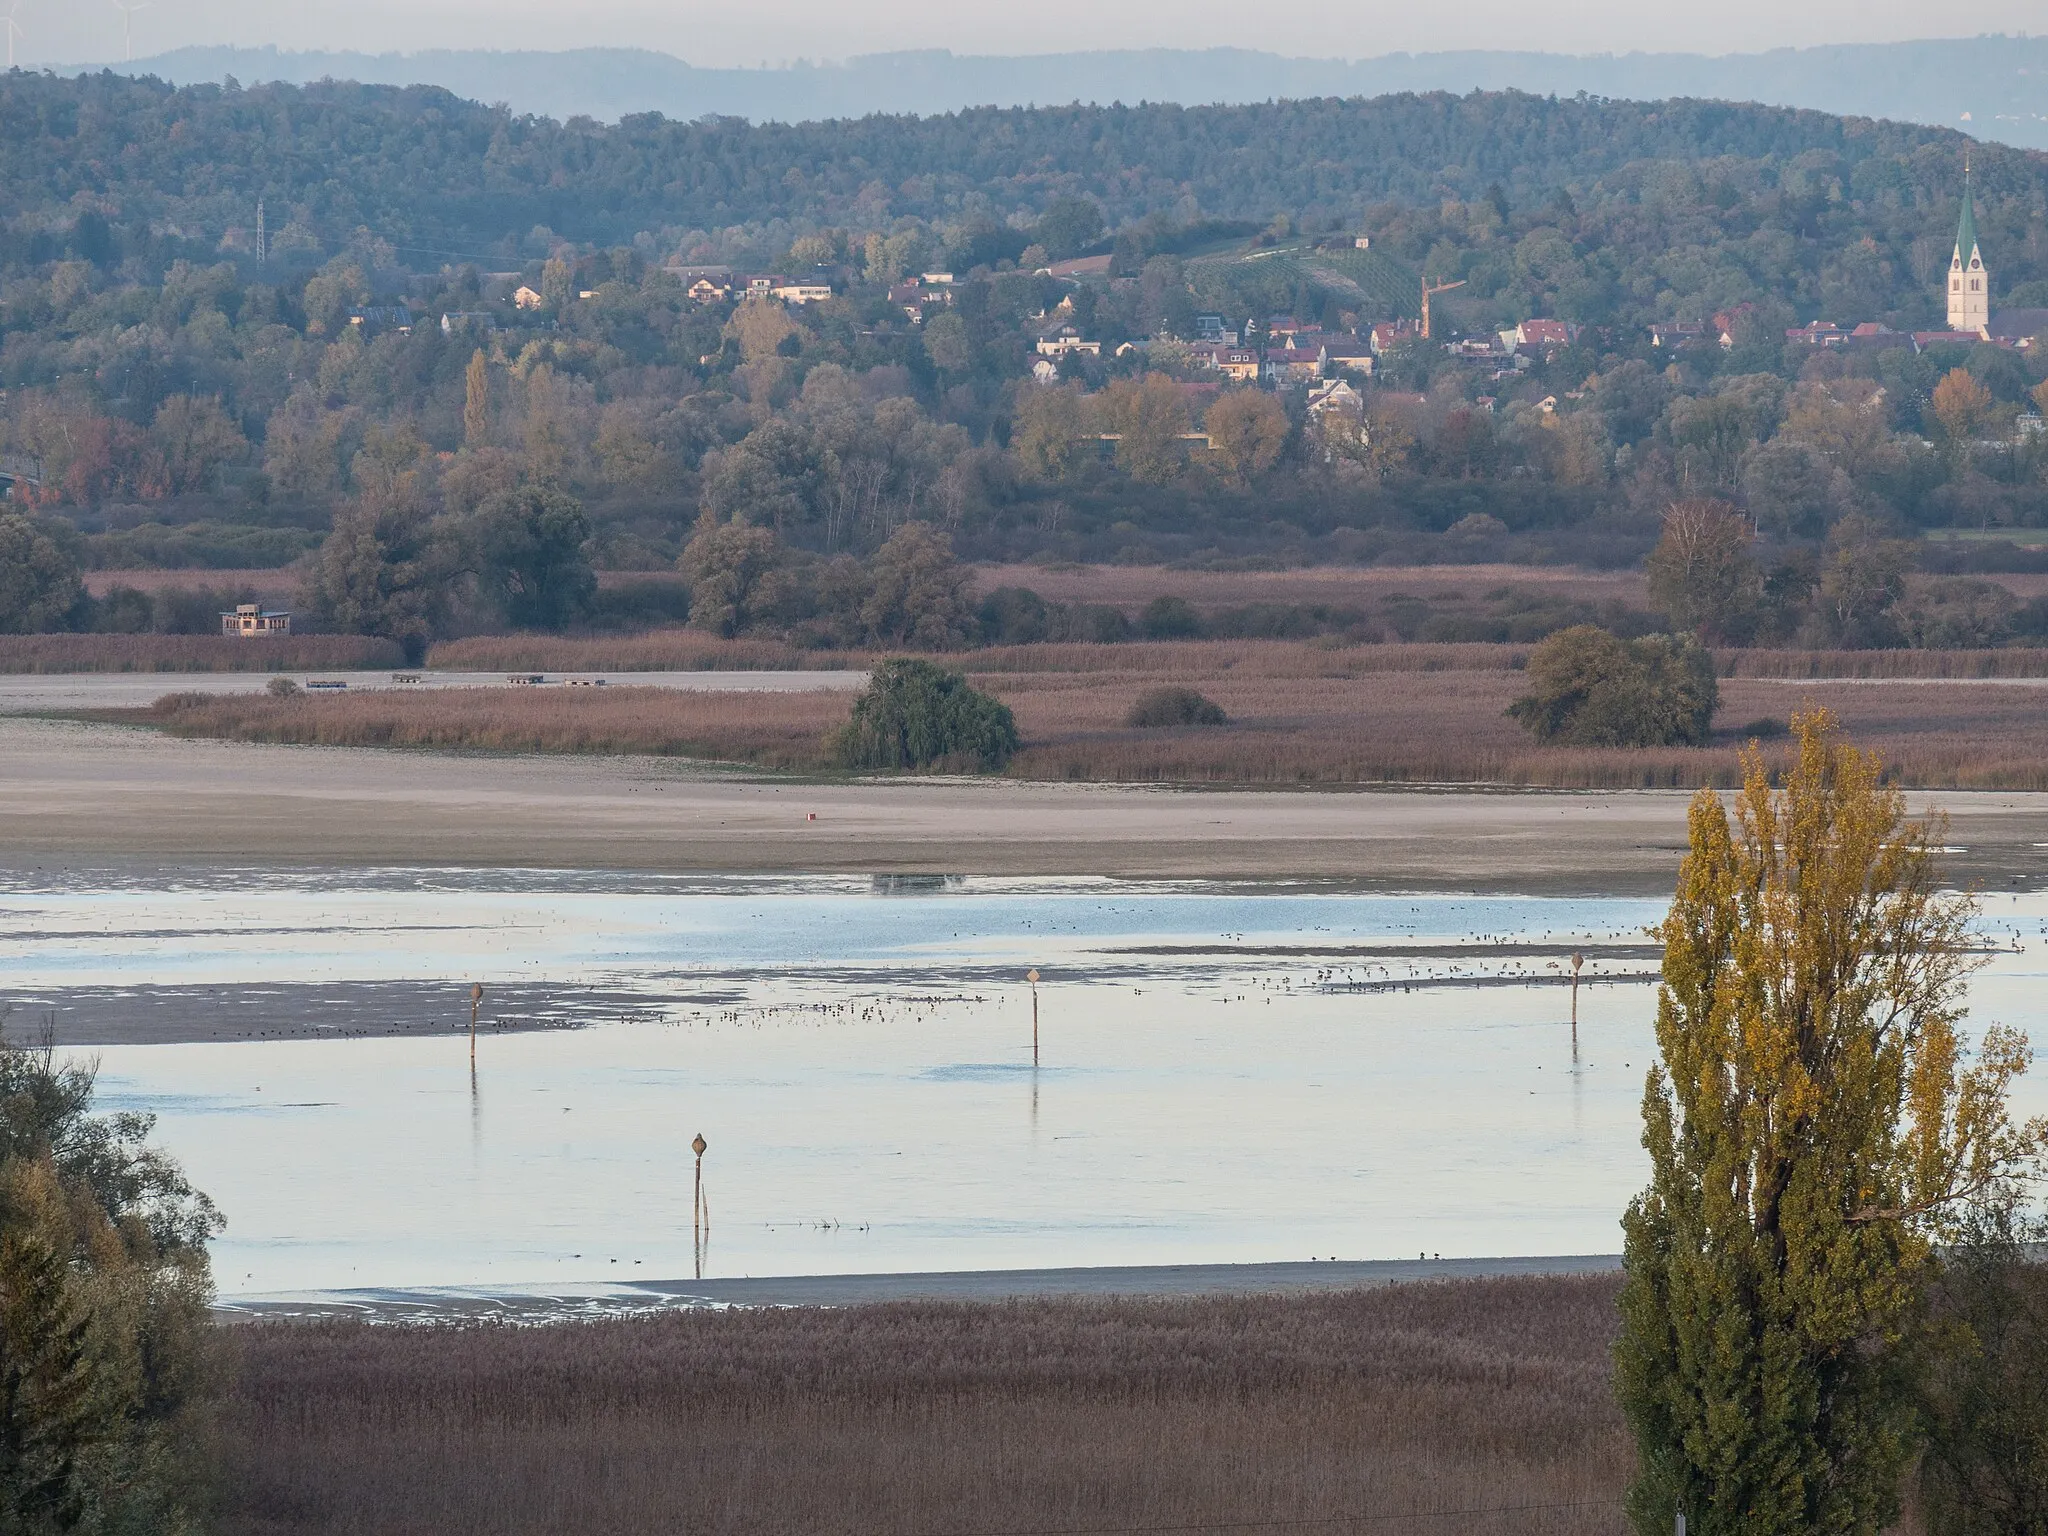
1997, 85
438, 176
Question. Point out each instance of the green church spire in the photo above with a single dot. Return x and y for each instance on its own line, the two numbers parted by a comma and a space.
1966, 231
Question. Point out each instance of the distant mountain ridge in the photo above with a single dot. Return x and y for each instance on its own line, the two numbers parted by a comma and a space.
1995, 88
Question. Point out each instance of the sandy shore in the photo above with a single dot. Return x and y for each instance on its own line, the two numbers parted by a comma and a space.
79, 794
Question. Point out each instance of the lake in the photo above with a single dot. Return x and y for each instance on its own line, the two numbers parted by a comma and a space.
1224, 1072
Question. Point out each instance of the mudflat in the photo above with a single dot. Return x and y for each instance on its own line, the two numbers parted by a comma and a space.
446, 1303
77, 794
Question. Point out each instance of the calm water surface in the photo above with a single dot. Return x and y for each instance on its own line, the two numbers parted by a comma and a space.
1224, 1072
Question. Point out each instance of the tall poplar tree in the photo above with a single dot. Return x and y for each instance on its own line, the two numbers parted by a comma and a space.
476, 401
1814, 1126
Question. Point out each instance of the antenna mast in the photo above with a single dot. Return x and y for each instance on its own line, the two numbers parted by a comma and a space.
262, 251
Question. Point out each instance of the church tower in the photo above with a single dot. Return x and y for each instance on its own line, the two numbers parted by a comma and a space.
1969, 285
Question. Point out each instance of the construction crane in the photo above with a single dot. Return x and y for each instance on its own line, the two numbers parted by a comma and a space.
1427, 291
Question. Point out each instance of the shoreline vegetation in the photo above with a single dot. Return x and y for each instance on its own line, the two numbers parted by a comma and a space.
54, 654
1297, 713
1421, 1399
687, 650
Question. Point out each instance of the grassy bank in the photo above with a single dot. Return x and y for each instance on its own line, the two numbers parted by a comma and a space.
195, 653
934, 1418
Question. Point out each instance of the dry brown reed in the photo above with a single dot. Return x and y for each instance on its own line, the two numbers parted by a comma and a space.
2015, 662
276, 583
1189, 660
1132, 586
1451, 727
1296, 716
770, 730
660, 650
195, 653
931, 1419
687, 650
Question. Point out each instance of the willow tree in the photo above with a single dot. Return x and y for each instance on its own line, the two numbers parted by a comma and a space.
1813, 1126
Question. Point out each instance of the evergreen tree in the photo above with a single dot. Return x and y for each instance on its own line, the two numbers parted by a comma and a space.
1814, 1125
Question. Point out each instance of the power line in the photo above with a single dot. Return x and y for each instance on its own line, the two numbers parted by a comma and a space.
1292, 1523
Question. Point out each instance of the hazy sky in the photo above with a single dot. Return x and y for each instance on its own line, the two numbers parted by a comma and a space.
778, 30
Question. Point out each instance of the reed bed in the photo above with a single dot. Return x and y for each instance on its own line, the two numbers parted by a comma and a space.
688, 650
1132, 586
931, 1419
276, 583
196, 653
2018, 661
660, 650
769, 730
1284, 727
1451, 727
1193, 661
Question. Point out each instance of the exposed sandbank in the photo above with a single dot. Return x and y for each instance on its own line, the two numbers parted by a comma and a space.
76, 794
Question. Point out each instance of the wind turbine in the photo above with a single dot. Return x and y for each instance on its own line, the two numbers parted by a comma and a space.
128, 8
13, 31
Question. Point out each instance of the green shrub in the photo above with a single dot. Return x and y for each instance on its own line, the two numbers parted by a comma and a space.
1589, 688
1170, 618
915, 715
40, 590
1174, 706
1015, 616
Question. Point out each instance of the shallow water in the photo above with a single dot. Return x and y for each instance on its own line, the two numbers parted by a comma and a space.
27, 692
1225, 1073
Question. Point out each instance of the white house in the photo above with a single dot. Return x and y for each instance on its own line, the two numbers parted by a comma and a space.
1065, 339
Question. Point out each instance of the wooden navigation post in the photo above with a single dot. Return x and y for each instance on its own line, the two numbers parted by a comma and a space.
476, 997
1032, 977
1578, 960
700, 1208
